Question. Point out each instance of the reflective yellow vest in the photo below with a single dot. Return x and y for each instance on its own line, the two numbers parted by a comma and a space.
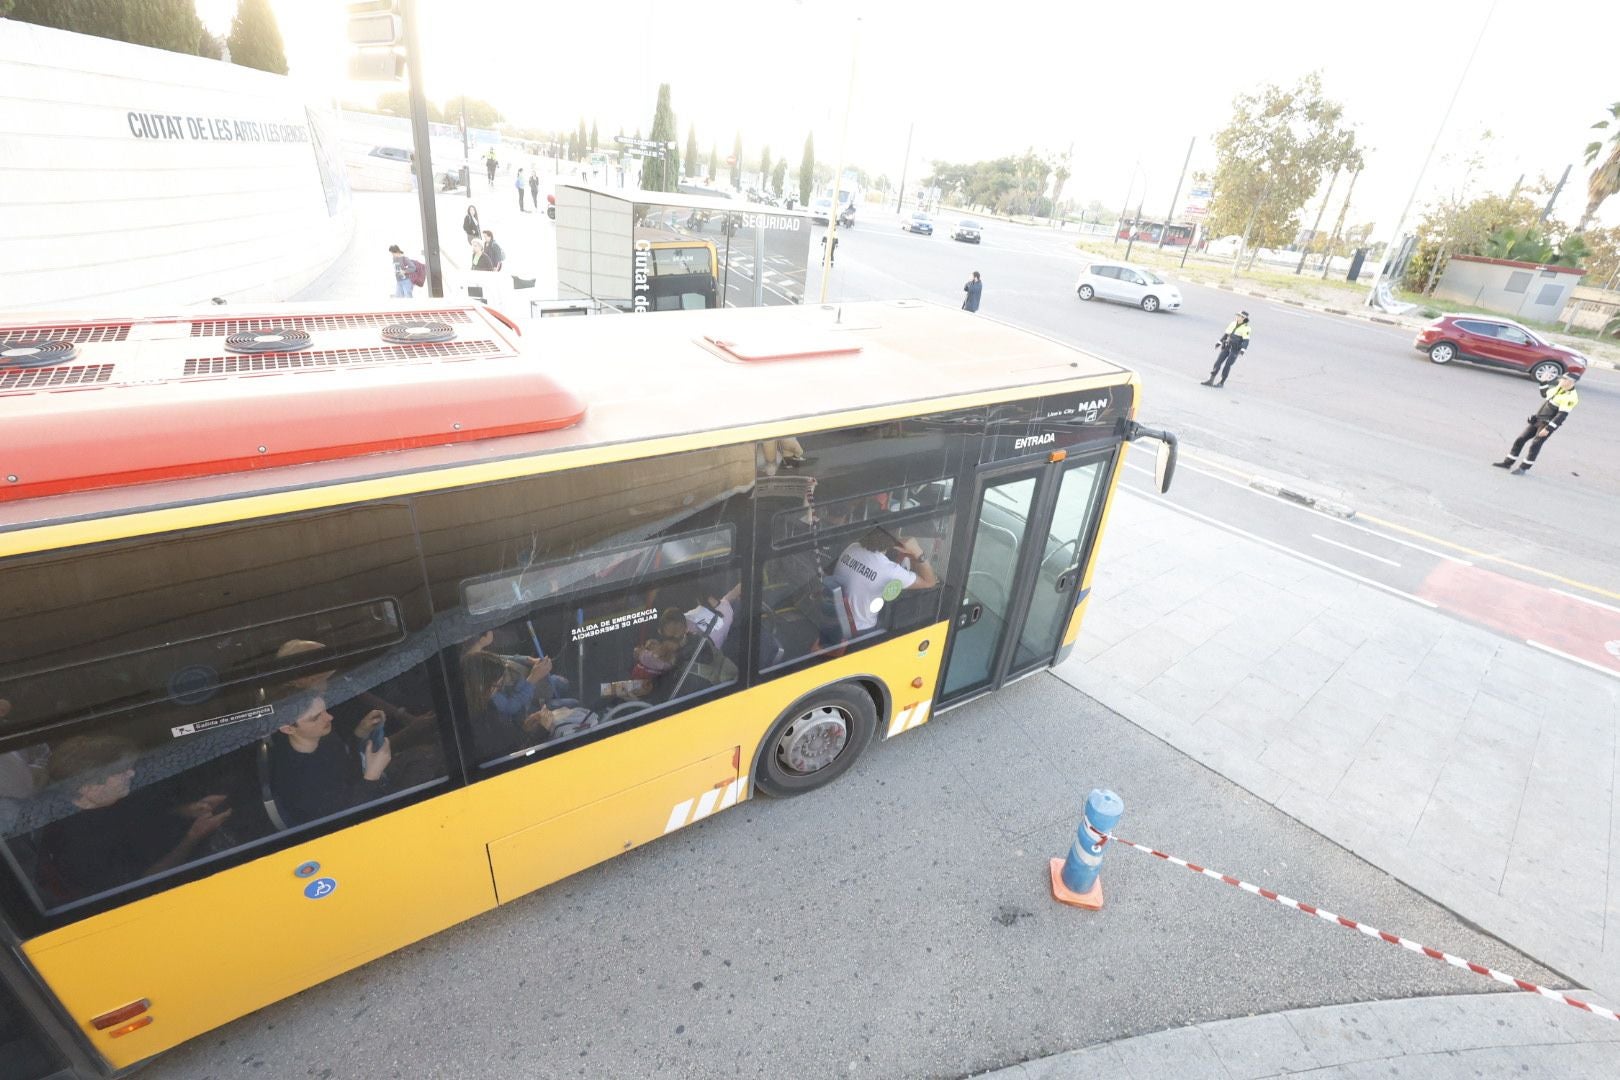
1240, 329
1564, 400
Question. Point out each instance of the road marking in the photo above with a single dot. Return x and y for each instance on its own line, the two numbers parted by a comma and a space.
1586, 600
1358, 551
1317, 513
1572, 659
1313, 560
1494, 558
1288, 309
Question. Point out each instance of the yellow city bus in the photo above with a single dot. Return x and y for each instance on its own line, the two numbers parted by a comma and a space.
324, 630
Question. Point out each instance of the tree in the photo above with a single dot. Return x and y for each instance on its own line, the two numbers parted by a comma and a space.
1270, 159
255, 39
779, 177
480, 114
398, 103
736, 164
1605, 179
714, 163
583, 139
1060, 176
807, 169
1496, 227
666, 174
160, 24
691, 151
764, 166
595, 142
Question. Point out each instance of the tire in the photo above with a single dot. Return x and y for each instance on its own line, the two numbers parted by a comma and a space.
1150, 304
1085, 292
1442, 352
816, 741
1546, 371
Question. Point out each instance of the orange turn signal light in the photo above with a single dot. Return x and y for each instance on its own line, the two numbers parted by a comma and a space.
122, 1013
917, 683
1057, 455
134, 1025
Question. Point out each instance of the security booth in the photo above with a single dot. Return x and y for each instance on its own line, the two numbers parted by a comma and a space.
1520, 290
642, 251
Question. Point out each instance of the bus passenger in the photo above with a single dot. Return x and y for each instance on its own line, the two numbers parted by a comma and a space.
507, 708
115, 837
871, 576
714, 616
315, 773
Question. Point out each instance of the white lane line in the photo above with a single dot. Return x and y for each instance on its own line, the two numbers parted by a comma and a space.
1289, 309
1586, 600
1313, 560
1572, 659
1358, 551
1329, 517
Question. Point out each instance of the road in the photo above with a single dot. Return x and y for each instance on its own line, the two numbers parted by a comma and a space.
1344, 404
895, 924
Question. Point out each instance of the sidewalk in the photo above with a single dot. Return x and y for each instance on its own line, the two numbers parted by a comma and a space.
1469, 766
1502, 1034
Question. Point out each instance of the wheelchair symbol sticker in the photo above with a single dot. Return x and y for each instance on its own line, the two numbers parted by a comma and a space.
320, 888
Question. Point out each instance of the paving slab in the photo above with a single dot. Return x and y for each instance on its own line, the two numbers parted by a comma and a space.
1428, 746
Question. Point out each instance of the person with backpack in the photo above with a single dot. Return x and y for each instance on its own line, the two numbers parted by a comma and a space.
408, 273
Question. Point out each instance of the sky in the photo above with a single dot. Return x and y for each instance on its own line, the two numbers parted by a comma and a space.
1125, 85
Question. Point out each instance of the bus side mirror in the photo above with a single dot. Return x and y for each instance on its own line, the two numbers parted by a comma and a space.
1164, 464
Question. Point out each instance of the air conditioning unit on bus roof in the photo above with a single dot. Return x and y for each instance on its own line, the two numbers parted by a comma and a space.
99, 403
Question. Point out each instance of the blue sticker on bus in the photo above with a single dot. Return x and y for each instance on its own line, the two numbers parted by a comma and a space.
320, 888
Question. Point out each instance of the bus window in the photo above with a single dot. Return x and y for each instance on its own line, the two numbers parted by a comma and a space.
854, 584
563, 670
552, 592
241, 683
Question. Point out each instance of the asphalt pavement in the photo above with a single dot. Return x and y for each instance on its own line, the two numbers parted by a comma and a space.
1342, 404
898, 923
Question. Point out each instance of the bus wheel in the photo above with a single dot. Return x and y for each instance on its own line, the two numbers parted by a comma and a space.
816, 741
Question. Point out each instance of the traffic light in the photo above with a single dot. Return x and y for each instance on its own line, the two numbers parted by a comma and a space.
375, 22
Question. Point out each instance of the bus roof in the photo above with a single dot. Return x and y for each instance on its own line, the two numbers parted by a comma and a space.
674, 377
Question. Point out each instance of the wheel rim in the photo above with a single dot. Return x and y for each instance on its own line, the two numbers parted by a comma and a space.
1085, 292
813, 741
1546, 372
1150, 304
1441, 353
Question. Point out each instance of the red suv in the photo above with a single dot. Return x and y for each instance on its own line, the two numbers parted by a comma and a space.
1499, 343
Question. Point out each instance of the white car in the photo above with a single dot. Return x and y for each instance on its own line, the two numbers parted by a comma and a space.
1127, 284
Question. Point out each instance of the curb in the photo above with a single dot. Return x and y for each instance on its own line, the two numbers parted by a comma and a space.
1282, 491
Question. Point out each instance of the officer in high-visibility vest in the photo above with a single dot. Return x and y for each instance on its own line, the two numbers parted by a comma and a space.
1559, 400
1232, 343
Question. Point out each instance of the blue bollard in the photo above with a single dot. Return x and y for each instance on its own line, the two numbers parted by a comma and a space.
1075, 879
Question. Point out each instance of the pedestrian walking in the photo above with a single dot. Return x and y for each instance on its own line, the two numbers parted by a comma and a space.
408, 273
534, 188
1558, 401
1232, 344
489, 167
834, 257
974, 289
471, 225
520, 184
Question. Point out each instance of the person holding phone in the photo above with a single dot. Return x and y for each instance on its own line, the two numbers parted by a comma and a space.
314, 772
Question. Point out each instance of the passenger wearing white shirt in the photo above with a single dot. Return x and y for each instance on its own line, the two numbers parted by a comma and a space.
867, 568
702, 615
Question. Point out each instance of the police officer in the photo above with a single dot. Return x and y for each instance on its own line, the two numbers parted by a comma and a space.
1232, 343
1558, 401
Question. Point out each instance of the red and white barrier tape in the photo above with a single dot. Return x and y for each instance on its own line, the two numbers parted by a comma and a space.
1374, 932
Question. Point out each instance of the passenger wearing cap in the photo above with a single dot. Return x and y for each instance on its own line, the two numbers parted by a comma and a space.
1232, 343
1558, 401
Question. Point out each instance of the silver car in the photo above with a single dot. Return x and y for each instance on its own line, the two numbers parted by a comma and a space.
1127, 284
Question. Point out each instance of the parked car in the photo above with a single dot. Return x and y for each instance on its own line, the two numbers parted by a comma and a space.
918, 222
967, 230
1499, 343
1127, 284
820, 211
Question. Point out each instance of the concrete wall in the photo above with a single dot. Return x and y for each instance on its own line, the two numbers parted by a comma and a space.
1521, 292
138, 179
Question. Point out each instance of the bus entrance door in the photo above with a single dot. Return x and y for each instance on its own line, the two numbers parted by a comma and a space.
1032, 531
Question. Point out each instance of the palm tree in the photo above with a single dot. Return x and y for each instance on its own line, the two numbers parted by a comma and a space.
1605, 179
